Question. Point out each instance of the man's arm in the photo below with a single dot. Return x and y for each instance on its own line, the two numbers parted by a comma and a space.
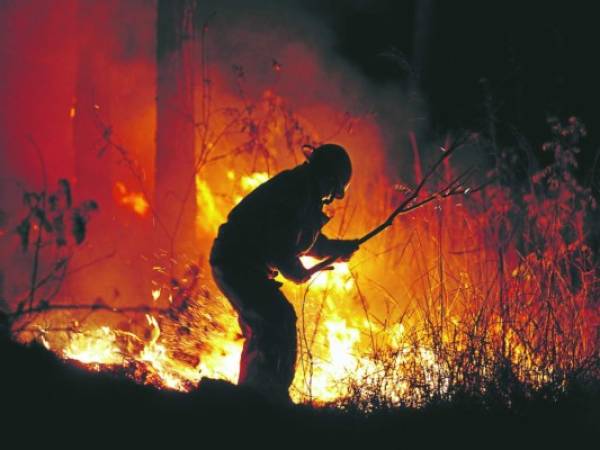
325, 247
293, 269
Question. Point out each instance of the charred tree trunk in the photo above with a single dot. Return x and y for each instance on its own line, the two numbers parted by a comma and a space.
175, 147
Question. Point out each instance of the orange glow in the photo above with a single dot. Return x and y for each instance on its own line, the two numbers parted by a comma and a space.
105, 346
393, 322
96, 346
449, 292
211, 216
251, 182
134, 200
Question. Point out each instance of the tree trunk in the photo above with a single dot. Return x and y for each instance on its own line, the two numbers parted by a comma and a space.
175, 196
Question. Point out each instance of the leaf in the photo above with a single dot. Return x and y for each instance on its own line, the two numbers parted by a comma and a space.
53, 201
59, 229
65, 188
23, 230
79, 226
41, 216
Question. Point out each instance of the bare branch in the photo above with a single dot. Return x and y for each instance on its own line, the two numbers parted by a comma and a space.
410, 203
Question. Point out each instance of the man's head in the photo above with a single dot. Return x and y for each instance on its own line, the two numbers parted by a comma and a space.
332, 168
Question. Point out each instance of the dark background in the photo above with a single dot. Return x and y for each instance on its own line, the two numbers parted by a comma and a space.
539, 59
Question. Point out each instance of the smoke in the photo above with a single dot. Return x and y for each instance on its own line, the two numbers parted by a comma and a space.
43, 41
257, 35
281, 45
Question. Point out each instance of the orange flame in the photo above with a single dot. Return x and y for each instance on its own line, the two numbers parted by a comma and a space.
441, 291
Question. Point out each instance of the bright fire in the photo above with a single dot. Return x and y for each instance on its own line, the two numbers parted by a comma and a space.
96, 346
449, 294
366, 330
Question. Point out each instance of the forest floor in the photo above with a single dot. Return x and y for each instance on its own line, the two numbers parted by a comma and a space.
47, 401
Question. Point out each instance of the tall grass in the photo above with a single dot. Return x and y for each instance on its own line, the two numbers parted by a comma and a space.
499, 298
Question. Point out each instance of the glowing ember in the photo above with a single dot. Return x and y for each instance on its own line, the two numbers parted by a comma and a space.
172, 374
102, 346
95, 346
135, 200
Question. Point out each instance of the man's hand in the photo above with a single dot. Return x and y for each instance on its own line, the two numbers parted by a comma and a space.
345, 249
311, 272
303, 278
294, 270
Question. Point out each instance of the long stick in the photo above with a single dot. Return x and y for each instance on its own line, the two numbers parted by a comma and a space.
452, 188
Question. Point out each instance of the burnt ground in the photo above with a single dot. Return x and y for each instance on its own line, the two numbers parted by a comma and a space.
45, 401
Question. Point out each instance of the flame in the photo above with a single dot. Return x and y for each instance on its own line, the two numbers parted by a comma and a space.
135, 200
344, 349
339, 362
338, 277
250, 182
172, 374
431, 295
453, 291
224, 363
211, 206
106, 346
211, 216
95, 346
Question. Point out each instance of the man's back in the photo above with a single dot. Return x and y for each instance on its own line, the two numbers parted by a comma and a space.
280, 218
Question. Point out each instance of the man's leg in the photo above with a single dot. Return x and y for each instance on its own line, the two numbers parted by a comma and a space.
269, 356
287, 346
268, 323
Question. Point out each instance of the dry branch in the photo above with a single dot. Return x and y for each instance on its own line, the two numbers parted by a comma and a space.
412, 202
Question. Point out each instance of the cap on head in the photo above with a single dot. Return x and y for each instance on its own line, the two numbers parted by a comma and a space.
331, 161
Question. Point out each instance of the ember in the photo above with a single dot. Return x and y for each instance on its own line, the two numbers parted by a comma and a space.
134, 200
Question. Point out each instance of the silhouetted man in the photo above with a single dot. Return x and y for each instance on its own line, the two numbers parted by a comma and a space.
267, 232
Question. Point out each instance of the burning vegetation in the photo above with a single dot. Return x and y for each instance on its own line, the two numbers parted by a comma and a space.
486, 291
489, 292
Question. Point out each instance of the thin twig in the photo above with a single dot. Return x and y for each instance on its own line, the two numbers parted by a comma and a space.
409, 204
